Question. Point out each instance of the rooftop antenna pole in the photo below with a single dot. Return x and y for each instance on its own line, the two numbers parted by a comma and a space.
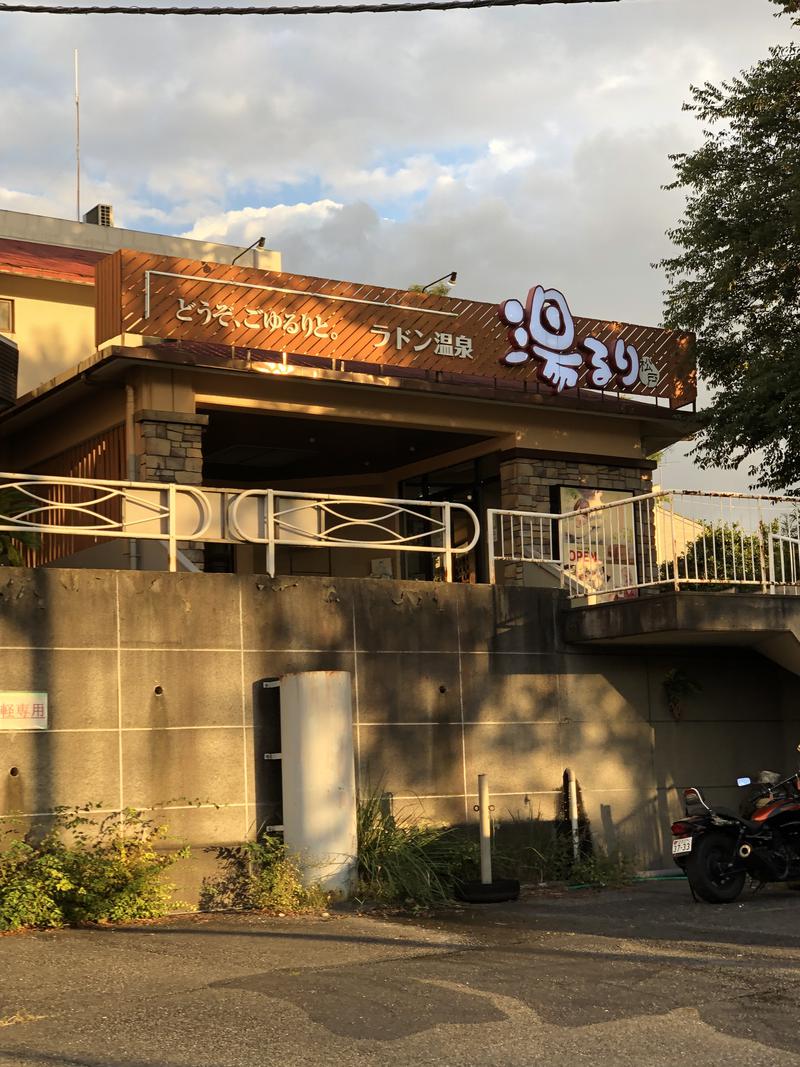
77, 142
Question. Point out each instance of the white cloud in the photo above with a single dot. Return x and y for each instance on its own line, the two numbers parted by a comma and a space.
507, 155
15, 200
391, 183
241, 109
591, 228
248, 224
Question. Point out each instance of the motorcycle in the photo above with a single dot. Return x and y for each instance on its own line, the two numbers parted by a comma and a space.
719, 848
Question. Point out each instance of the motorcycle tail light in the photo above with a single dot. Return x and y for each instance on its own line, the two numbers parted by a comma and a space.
680, 829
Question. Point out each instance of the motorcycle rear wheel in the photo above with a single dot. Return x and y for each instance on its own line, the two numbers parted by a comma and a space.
706, 869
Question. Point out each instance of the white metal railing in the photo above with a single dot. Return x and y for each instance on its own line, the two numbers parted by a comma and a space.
673, 539
32, 504
307, 519
522, 537
74, 508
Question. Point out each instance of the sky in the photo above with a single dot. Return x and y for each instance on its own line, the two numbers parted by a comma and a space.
516, 146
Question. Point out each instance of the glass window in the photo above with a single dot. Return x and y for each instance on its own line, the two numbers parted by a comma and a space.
6, 316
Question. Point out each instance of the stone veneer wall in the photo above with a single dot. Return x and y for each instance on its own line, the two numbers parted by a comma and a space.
526, 477
171, 450
171, 447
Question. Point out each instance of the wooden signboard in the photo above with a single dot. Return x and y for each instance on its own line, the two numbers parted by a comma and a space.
273, 312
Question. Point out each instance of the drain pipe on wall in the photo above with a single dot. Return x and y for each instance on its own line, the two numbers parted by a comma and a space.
130, 448
572, 805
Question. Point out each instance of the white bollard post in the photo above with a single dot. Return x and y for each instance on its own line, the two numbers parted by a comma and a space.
572, 799
486, 840
318, 772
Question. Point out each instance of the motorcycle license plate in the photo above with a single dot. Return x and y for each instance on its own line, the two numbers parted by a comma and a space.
681, 845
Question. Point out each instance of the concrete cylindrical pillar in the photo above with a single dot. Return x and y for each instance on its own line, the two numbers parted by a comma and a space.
318, 769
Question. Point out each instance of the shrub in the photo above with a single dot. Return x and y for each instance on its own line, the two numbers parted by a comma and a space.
30, 882
84, 871
402, 863
261, 876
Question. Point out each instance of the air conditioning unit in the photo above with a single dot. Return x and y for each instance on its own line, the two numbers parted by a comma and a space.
100, 215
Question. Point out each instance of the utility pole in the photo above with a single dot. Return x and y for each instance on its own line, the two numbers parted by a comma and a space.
77, 142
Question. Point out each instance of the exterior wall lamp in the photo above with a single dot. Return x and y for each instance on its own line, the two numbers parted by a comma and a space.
256, 244
446, 279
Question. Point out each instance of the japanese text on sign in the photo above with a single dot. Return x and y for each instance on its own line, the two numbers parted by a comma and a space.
544, 329
443, 344
23, 711
254, 319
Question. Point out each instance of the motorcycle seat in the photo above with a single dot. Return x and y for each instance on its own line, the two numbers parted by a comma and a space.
729, 813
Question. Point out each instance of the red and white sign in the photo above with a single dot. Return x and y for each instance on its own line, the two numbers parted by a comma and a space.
23, 711
543, 332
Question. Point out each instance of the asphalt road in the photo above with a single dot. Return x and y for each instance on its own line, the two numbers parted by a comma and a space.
640, 976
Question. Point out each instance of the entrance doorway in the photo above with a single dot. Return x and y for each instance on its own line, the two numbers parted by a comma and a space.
475, 483
305, 454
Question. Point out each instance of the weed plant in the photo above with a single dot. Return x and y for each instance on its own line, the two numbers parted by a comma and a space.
85, 871
539, 851
404, 864
259, 876
613, 869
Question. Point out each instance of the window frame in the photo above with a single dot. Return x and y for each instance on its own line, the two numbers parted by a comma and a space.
11, 315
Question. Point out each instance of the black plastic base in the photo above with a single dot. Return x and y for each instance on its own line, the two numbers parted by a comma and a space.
497, 892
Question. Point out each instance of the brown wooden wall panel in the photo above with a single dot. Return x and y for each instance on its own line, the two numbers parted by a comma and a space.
108, 281
270, 311
101, 457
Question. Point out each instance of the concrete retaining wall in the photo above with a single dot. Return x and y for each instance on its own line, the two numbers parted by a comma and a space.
449, 681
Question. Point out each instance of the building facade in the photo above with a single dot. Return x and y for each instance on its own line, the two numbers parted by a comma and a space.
371, 481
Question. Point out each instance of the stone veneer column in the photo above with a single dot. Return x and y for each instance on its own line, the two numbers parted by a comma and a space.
526, 478
171, 450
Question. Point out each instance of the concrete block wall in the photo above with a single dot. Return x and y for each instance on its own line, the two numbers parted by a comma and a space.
154, 690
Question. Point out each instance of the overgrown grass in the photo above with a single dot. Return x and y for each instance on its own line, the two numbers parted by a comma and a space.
259, 876
404, 864
603, 868
83, 871
537, 851
531, 850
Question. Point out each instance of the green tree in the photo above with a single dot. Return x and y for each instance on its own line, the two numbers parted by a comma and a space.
790, 7
736, 277
723, 554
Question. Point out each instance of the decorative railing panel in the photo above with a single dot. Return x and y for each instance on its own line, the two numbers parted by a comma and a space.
270, 517
39, 506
